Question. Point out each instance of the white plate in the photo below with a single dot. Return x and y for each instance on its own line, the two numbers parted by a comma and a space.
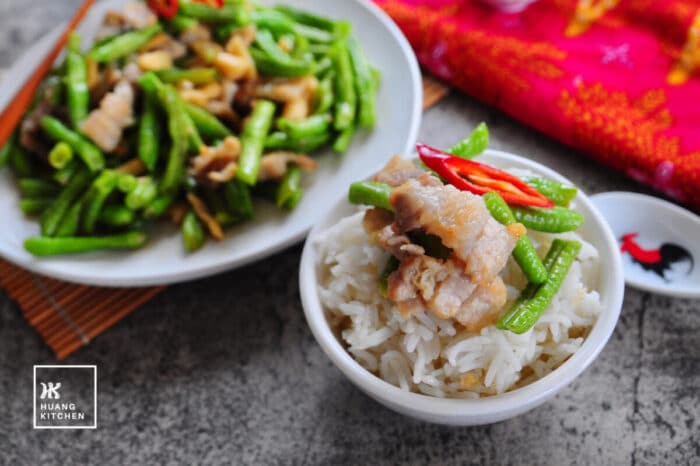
163, 260
493, 408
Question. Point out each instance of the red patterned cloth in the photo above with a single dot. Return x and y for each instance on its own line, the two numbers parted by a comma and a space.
614, 78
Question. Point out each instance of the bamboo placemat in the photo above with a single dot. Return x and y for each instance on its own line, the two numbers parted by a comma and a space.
69, 316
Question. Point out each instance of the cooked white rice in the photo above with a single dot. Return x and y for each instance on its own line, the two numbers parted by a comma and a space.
437, 357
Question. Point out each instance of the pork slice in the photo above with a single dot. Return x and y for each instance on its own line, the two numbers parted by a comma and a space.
481, 308
490, 252
397, 171
457, 217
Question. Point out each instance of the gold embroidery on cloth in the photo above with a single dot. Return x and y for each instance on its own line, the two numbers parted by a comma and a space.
689, 59
588, 12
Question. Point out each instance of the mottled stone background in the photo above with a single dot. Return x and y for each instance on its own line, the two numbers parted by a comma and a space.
224, 370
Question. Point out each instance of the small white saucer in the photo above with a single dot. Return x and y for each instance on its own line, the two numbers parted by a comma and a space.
659, 242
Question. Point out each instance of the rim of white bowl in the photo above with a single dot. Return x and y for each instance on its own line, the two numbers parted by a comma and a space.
483, 410
44, 267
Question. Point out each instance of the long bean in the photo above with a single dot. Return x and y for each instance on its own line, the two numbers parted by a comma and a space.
555, 220
143, 194
472, 145
206, 124
61, 154
524, 253
53, 215
20, 161
76, 82
235, 14
271, 60
238, 199
281, 140
342, 141
174, 168
364, 84
323, 100
310, 126
158, 206
101, 188
149, 133
117, 216
524, 315
346, 97
70, 223
124, 44
253, 140
44, 246
370, 193
38, 187
193, 235
35, 205
289, 192
7, 148
559, 193
91, 155
63, 175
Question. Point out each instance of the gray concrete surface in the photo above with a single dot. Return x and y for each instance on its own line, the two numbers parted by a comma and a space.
225, 371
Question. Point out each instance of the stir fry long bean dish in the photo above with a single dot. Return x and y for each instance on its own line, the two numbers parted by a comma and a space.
185, 110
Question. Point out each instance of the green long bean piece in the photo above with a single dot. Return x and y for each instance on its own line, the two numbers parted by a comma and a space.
70, 223
342, 141
149, 132
310, 126
91, 155
525, 313
472, 145
364, 84
53, 215
43, 246
124, 44
253, 141
559, 193
117, 216
229, 13
524, 253
193, 235
370, 193
35, 205
7, 148
101, 188
177, 127
76, 82
289, 192
206, 124
38, 187
346, 96
61, 155
555, 220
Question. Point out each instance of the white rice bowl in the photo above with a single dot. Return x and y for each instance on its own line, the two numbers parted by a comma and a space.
438, 357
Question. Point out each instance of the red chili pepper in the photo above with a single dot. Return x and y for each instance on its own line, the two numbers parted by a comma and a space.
164, 8
477, 178
212, 3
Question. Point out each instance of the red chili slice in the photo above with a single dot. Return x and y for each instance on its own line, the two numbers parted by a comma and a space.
164, 8
478, 178
213, 3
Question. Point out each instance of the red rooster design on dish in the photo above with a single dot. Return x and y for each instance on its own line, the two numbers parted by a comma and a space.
660, 260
